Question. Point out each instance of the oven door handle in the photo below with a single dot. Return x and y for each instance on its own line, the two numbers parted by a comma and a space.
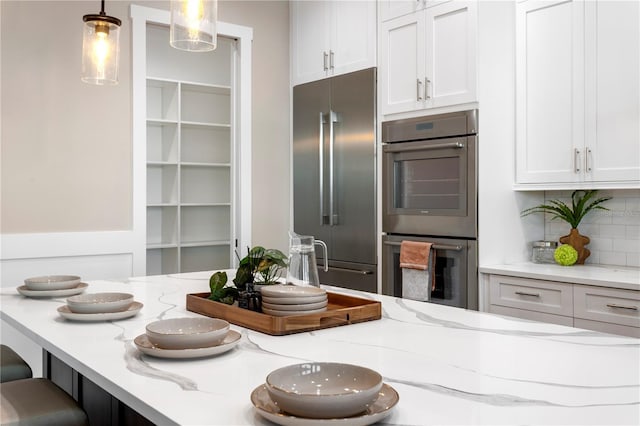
400, 147
435, 246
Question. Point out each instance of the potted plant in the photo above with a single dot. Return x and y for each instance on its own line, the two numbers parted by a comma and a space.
259, 267
582, 202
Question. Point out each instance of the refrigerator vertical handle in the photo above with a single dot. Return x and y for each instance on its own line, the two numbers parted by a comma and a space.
333, 118
321, 167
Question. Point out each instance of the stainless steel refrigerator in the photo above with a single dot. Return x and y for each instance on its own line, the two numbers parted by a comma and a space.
334, 174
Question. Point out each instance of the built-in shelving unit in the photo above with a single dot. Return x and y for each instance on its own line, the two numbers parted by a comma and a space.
192, 148
189, 157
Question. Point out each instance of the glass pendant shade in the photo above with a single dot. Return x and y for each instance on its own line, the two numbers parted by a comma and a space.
100, 49
194, 25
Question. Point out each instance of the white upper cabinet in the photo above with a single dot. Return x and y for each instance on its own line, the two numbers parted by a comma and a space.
389, 9
428, 58
612, 96
578, 94
331, 38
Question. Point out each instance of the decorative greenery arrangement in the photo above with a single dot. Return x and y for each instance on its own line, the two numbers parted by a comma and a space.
573, 215
259, 266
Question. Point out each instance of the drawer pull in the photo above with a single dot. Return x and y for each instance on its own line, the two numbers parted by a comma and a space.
522, 293
631, 308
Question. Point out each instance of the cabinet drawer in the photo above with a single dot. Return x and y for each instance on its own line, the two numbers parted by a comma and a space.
534, 295
607, 327
615, 306
531, 315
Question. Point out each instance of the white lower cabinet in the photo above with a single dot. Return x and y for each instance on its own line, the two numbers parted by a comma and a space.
608, 310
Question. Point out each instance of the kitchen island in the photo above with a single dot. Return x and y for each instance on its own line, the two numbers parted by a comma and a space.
449, 365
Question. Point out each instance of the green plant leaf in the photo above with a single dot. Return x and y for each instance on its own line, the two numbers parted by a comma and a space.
572, 214
217, 280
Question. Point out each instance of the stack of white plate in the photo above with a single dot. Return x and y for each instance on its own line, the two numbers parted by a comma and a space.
324, 394
100, 307
282, 300
52, 286
187, 337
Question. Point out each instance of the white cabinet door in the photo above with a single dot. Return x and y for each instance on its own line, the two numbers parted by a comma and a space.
612, 146
389, 9
428, 58
402, 58
549, 90
353, 43
311, 37
331, 38
450, 40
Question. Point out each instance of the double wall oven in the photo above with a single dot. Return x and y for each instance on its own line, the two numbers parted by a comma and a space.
430, 194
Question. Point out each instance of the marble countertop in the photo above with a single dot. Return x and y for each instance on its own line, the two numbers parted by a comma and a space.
449, 365
597, 275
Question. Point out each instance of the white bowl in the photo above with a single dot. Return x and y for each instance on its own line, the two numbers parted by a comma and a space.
323, 390
52, 282
187, 333
96, 303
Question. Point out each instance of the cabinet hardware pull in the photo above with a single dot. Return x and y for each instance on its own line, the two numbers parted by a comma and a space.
587, 167
321, 167
631, 308
353, 271
333, 217
576, 160
324, 60
331, 55
418, 91
427, 82
524, 293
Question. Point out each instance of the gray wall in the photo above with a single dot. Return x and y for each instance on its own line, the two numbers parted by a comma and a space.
66, 146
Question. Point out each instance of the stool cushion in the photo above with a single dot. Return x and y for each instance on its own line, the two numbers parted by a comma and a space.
12, 366
38, 402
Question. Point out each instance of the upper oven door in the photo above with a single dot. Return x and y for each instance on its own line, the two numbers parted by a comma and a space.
429, 187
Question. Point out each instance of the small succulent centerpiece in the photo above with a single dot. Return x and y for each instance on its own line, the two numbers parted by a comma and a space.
582, 202
260, 266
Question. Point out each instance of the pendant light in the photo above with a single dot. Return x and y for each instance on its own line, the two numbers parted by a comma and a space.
100, 48
193, 25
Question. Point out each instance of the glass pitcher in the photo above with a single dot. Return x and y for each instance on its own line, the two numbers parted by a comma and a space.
303, 269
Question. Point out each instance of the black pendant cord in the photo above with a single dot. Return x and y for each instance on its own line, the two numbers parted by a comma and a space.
102, 7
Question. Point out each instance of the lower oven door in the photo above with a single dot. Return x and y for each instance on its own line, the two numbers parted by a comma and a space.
455, 269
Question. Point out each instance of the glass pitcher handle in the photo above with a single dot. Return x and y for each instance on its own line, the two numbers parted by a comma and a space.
326, 255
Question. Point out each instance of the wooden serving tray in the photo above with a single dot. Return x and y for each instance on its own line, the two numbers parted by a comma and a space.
341, 310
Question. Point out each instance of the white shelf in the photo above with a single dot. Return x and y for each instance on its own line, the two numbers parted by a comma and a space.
207, 243
223, 165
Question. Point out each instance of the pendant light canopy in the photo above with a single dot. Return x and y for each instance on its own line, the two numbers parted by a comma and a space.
100, 48
193, 25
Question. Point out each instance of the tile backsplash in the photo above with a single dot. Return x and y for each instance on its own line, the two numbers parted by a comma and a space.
614, 233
